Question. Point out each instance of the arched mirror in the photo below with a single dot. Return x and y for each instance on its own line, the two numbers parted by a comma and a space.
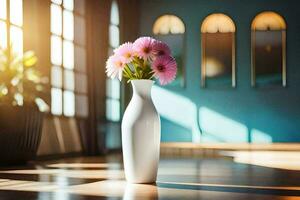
268, 46
171, 29
218, 51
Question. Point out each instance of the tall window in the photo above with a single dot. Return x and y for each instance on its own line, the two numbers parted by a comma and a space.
68, 59
11, 22
113, 87
268, 44
11, 31
218, 51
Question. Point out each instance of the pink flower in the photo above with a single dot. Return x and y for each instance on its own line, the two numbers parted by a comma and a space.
114, 67
164, 68
144, 47
126, 52
160, 48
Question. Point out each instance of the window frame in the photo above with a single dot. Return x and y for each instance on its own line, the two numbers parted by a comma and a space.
64, 69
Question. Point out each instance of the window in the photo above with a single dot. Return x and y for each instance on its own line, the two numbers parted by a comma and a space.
268, 46
171, 30
11, 22
69, 96
218, 51
113, 86
11, 31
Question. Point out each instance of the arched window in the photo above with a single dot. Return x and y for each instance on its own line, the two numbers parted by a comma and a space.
113, 86
171, 29
268, 46
218, 51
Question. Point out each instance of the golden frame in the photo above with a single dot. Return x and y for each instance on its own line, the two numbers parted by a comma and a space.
283, 39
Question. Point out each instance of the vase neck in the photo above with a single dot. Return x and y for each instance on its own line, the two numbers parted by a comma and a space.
142, 88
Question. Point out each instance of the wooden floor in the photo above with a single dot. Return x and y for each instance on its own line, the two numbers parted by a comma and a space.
178, 178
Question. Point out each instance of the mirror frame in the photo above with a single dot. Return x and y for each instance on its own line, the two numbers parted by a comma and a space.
283, 40
203, 55
183, 81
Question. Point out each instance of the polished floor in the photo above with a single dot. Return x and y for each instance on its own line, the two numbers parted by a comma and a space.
178, 178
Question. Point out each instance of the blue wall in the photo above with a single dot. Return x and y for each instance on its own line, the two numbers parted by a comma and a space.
243, 114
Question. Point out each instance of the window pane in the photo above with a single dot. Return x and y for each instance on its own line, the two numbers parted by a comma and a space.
56, 19
113, 36
57, 1
114, 13
16, 12
69, 103
16, 39
56, 101
113, 110
69, 80
3, 35
56, 76
113, 88
56, 50
79, 30
81, 83
80, 59
81, 105
2, 9
68, 25
69, 4
68, 55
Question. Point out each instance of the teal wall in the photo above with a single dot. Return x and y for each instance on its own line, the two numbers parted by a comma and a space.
242, 114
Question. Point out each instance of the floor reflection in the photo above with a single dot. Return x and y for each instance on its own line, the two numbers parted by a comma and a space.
177, 179
86, 165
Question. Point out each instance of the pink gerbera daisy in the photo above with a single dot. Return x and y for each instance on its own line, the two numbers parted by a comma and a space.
160, 49
126, 52
164, 68
143, 46
114, 67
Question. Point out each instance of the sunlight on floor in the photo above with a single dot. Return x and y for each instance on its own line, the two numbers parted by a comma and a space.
76, 173
288, 160
177, 179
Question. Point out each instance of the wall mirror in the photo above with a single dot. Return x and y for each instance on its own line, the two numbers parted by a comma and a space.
218, 51
268, 47
171, 29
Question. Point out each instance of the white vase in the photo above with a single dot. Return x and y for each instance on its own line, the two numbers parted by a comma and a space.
141, 135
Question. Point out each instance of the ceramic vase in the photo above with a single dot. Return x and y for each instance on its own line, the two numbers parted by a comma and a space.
141, 135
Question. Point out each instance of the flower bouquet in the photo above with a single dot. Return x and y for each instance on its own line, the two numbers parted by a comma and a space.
146, 58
